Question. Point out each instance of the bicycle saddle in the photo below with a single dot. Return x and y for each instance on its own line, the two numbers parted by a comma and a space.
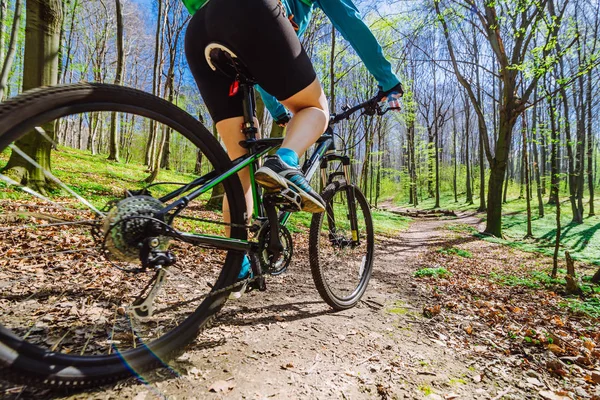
222, 59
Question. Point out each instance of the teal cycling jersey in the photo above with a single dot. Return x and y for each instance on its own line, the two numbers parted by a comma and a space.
346, 18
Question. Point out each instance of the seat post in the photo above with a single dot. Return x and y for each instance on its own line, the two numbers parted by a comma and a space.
249, 103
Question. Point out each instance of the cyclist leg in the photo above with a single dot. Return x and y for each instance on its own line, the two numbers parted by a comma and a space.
309, 120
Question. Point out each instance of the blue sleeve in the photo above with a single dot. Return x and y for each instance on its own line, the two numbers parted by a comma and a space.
346, 18
276, 109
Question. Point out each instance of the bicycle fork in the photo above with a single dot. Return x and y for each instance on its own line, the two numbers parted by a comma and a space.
352, 214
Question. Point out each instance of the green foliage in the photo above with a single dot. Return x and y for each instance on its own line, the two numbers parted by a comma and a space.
439, 272
589, 306
532, 280
454, 250
461, 228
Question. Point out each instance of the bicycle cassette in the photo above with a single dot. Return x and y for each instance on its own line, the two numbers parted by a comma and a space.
129, 223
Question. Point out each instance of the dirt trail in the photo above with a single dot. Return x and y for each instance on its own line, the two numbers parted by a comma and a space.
286, 343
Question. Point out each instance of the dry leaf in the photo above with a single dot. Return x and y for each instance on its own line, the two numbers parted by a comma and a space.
468, 329
548, 395
588, 344
555, 349
430, 312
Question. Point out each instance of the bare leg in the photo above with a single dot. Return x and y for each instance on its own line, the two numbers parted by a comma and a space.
309, 120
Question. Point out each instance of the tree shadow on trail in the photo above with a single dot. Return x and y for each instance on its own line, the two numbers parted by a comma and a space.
266, 314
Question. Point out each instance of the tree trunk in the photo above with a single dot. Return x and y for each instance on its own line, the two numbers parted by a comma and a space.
3, 12
467, 158
580, 157
12, 47
332, 71
535, 159
114, 121
482, 207
40, 67
151, 142
558, 227
554, 178
455, 156
437, 166
498, 169
590, 143
570, 156
412, 162
543, 159
526, 175
572, 285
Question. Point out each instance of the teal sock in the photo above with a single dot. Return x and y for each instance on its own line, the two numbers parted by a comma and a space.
246, 268
288, 156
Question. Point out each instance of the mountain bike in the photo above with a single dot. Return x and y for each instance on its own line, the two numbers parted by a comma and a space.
104, 275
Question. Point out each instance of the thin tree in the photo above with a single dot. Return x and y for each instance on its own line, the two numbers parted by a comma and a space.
12, 47
114, 128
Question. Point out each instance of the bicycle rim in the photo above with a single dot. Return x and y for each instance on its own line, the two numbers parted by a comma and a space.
74, 308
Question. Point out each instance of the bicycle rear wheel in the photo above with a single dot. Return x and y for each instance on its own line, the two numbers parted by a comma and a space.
341, 246
76, 308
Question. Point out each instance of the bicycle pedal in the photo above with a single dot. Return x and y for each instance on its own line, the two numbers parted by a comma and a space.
286, 199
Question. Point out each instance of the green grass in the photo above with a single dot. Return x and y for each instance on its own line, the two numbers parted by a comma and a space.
384, 223
454, 250
589, 306
99, 181
389, 224
581, 240
533, 280
432, 272
398, 308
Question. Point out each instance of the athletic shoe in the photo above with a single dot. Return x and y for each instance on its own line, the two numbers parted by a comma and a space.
244, 275
275, 175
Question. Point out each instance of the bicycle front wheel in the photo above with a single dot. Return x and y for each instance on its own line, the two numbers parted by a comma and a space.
84, 170
341, 246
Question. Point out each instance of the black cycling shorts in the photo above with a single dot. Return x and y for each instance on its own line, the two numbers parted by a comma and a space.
259, 33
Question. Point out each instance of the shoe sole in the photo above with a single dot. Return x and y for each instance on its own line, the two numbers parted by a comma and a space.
272, 182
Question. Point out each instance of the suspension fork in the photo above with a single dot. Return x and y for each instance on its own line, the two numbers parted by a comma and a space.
327, 179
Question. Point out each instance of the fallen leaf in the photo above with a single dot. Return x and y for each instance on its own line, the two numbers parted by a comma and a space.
468, 329
279, 318
555, 349
221, 387
556, 367
430, 312
588, 344
548, 395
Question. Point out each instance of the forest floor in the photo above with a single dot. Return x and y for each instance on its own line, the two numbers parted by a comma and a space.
446, 316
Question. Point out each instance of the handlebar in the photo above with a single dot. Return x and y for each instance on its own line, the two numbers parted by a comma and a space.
370, 107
